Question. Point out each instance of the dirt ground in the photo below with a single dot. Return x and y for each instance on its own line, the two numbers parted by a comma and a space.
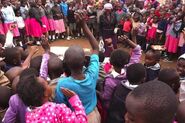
85, 44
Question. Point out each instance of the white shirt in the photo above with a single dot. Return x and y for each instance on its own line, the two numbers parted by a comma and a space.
20, 22
8, 14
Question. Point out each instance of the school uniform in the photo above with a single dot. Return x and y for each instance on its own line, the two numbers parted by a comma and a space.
152, 72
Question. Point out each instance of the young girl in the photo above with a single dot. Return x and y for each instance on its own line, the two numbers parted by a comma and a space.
40, 110
45, 27
182, 37
172, 40
51, 22
35, 23
127, 26
9, 18
151, 34
58, 18
21, 26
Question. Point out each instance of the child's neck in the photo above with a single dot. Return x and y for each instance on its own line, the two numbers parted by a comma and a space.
78, 75
118, 70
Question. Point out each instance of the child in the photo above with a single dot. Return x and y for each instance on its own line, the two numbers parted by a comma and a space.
80, 81
151, 34
136, 74
5, 94
21, 27
51, 22
40, 110
152, 65
127, 26
172, 40
45, 24
152, 102
58, 18
9, 18
181, 71
171, 78
35, 23
13, 73
71, 21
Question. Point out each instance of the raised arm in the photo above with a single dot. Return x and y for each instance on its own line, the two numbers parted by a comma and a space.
92, 40
26, 63
45, 59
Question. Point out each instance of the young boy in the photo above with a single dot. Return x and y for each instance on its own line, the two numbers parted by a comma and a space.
83, 83
152, 102
136, 74
152, 65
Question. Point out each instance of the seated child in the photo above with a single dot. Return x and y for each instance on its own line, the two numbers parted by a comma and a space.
152, 102
40, 110
5, 94
181, 71
152, 65
136, 74
171, 78
181, 112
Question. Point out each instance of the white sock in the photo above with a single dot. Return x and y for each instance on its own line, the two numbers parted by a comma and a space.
53, 37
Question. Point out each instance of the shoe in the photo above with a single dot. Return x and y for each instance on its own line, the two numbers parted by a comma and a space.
38, 43
68, 38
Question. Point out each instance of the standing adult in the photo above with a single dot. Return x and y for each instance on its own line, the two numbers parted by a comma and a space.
106, 26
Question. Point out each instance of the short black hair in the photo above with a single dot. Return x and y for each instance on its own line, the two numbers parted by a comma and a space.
55, 67
119, 58
29, 71
136, 73
170, 77
101, 56
11, 56
156, 54
5, 94
159, 101
36, 63
30, 90
74, 57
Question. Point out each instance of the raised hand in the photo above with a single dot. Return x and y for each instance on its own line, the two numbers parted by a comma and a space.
68, 93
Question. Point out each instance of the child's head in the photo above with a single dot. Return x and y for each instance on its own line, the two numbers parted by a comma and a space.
136, 17
155, 19
74, 58
152, 57
55, 67
12, 56
33, 90
151, 102
36, 62
119, 58
18, 13
13, 73
5, 94
101, 57
181, 112
181, 65
171, 78
136, 74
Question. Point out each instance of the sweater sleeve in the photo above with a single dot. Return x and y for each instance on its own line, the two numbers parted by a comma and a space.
44, 66
11, 113
136, 55
76, 116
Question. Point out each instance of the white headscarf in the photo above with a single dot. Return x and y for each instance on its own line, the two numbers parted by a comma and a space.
108, 6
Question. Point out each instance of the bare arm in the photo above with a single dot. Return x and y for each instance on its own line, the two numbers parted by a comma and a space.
92, 40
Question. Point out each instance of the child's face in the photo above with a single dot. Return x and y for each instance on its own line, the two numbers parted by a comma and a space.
181, 67
134, 107
150, 60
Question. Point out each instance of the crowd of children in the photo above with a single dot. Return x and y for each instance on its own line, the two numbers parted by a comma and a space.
87, 87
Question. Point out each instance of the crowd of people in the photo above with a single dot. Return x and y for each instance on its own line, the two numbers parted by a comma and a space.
109, 84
